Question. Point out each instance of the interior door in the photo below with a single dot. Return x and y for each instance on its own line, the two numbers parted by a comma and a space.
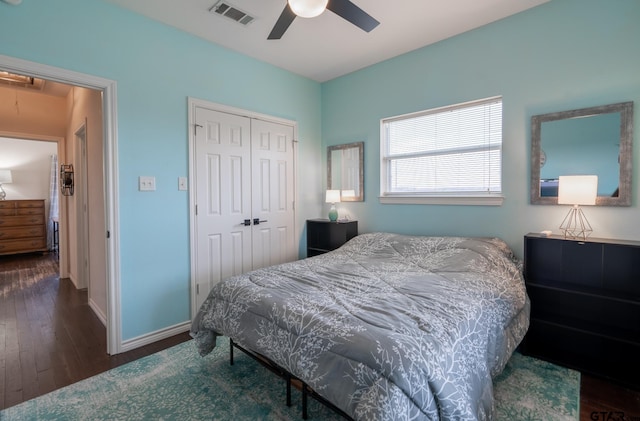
82, 209
272, 191
223, 198
244, 196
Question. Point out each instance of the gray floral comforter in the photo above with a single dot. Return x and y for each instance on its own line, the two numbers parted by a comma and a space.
388, 327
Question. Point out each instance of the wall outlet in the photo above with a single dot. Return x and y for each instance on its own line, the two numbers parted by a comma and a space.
146, 183
182, 183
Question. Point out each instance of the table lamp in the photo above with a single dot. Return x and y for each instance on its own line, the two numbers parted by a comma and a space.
577, 190
5, 178
333, 197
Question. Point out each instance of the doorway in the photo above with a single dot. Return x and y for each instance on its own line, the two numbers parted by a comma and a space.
110, 229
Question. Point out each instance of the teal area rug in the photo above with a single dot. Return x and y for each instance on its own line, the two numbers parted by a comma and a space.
531, 389
178, 384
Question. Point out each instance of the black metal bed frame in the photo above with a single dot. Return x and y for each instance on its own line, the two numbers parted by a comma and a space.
288, 377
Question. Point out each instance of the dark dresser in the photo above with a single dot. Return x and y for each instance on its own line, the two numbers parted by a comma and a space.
324, 235
585, 305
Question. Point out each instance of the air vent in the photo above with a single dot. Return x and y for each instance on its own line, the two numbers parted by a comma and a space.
225, 9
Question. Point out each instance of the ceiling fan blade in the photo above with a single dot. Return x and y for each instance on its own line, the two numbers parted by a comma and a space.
349, 11
286, 17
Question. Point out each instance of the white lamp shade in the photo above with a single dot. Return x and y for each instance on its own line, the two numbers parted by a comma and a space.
308, 8
5, 177
333, 196
577, 189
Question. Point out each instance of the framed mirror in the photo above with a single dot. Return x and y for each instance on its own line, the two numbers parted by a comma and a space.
345, 171
588, 141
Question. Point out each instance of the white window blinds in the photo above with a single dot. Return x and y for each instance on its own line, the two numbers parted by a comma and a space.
453, 150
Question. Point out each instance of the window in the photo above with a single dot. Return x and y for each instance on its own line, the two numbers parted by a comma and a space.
446, 155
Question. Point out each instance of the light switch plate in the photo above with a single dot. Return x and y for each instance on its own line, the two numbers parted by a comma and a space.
146, 183
182, 183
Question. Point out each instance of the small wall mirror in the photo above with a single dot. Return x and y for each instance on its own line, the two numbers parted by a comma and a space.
345, 171
588, 141
66, 179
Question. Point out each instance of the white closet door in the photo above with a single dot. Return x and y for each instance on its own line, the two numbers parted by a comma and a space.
272, 191
244, 196
223, 198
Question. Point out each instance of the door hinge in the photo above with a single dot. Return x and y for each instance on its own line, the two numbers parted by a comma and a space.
108, 234
197, 289
196, 210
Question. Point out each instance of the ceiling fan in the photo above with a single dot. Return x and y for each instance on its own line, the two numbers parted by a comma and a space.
312, 8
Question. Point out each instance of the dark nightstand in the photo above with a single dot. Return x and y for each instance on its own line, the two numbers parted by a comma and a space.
585, 305
324, 235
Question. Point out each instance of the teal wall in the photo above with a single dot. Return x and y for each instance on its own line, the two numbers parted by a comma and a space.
565, 54
562, 55
156, 68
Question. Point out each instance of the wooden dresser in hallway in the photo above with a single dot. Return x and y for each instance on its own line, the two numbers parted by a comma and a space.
22, 226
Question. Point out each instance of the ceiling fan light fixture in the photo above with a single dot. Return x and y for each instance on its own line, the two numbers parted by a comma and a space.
308, 8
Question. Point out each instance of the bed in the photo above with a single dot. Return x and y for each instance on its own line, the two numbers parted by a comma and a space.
386, 327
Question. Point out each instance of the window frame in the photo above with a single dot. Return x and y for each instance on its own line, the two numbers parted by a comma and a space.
440, 198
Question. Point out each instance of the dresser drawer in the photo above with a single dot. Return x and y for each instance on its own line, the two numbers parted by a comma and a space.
21, 220
598, 314
22, 204
18, 246
7, 211
599, 355
12, 233
21, 207
30, 211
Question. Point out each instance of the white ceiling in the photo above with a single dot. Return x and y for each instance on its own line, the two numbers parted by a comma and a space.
328, 46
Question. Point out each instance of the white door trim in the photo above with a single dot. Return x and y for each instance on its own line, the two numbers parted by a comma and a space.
109, 104
193, 104
82, 223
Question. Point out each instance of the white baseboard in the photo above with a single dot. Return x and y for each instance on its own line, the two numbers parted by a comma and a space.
98, 312
158, 335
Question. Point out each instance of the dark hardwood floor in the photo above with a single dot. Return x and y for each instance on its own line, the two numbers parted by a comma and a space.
50, 338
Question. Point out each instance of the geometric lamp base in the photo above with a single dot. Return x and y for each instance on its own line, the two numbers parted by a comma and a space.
575, 224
